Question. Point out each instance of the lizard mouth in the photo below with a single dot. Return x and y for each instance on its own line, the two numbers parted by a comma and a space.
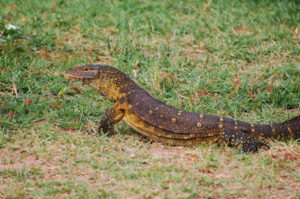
80, 75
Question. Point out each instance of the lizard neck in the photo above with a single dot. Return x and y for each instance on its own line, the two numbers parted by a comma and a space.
113, 84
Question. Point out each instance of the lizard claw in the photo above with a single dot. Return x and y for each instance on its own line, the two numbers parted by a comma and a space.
106, 131
252, 146
94, 133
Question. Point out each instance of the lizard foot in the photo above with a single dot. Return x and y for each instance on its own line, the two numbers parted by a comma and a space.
108, 131
252, 146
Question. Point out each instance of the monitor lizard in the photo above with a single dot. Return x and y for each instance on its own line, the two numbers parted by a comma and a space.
163, 123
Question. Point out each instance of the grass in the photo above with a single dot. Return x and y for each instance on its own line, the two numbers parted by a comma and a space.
233, 58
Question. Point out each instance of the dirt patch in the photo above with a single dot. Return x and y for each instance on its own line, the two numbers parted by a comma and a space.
283, 152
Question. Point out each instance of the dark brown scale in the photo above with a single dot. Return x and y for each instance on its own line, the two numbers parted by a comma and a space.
264, 130
228, 123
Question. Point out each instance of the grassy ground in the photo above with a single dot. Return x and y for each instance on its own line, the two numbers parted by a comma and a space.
232, 58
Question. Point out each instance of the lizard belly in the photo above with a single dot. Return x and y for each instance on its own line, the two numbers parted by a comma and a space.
166, 137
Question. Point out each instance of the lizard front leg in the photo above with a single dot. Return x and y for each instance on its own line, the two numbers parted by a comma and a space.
111, 116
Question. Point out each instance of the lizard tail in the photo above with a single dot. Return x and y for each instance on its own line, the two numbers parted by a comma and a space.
288, 129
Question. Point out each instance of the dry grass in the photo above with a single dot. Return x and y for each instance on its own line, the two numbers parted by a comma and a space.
128, 166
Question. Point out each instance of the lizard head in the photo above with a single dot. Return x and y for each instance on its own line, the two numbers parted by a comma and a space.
105, 79
86, 73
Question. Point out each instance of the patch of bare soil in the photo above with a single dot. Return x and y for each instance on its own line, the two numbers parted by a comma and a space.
212, 170
53, 166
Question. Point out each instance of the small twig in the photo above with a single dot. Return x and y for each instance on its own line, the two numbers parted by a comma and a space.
15, 89
92, 128
184, 97
3, 93
8, 122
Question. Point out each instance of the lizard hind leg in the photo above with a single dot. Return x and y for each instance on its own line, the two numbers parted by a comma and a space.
244, 141
110, 117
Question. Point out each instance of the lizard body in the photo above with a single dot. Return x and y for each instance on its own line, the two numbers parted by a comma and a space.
163, 123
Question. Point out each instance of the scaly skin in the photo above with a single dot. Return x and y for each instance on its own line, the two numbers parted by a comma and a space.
165, 124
